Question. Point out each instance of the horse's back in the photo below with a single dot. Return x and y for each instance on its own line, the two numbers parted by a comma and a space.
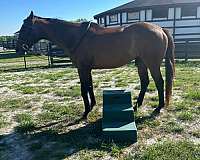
99, 30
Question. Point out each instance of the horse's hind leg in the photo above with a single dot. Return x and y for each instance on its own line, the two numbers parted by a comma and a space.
157, 77
144, 80
91, 92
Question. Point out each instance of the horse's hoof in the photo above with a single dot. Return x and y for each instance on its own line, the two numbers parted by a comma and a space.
157, 110
135, 109
84, 116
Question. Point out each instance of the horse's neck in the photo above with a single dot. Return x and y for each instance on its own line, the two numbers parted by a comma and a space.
60, 33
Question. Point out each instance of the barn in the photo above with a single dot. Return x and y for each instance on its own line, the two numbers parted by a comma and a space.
180, 17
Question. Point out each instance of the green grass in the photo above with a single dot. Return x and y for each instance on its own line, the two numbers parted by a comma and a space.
151, 123
151, 87
26, 122
3, 121
13, 103
116, 151
172, 127
193, 93
73, 91
184, 105
196, 133
44, 96
185, 115
170, 151
52, 111
31, 89
53, 76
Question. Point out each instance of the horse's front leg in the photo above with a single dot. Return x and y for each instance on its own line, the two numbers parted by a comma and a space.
84, 75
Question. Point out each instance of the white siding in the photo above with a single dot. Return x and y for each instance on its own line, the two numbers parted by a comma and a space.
107, 20
146, 15
149, 14
188, 23
124, 17
178, 13
187, 30
133, 15
159, 19
119, 18
165, 23
132, 21
188, 17
113, 19
198, 12
142, 15
187, 36
171, 13
117, 25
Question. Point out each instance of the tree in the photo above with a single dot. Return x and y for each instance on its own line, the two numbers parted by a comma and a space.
6, 38
81, 20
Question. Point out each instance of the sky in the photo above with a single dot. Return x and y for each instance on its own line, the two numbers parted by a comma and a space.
12, 12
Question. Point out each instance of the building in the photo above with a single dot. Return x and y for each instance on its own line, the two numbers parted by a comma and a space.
180, 17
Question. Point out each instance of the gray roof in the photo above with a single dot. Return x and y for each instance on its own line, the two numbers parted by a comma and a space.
147, 3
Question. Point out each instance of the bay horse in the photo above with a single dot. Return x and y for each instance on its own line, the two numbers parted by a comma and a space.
90, 46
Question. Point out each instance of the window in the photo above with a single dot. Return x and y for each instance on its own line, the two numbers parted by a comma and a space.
188, 11
113, 18
133, 15
160, 13
102, 20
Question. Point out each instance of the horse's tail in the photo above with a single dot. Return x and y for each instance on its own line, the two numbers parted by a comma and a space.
169, 66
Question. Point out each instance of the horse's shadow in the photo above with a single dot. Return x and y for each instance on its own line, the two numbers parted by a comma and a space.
151, 117
46, 143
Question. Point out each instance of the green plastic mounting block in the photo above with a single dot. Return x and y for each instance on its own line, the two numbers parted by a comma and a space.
118, 117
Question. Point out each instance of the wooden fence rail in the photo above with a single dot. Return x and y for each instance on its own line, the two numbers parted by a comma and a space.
187, 49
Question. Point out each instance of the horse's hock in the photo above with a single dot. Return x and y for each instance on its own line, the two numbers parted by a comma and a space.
118, 117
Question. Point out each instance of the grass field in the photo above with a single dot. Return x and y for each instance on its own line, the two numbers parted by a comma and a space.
39, 108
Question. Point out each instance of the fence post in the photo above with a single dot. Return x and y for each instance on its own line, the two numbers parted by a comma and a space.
25, 61
186, 50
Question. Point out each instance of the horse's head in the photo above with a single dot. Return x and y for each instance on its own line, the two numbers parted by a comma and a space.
26, 35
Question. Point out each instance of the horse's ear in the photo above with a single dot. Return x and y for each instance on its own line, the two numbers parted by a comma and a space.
31, 15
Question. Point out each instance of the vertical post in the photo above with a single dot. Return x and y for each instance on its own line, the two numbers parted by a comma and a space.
50, 59
186, 50
40, 47
174, 23
105, 21
120, 18
49, 63
25, 61
7, 44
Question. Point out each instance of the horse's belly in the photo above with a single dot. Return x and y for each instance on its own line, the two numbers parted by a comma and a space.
108, 61
112, 51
